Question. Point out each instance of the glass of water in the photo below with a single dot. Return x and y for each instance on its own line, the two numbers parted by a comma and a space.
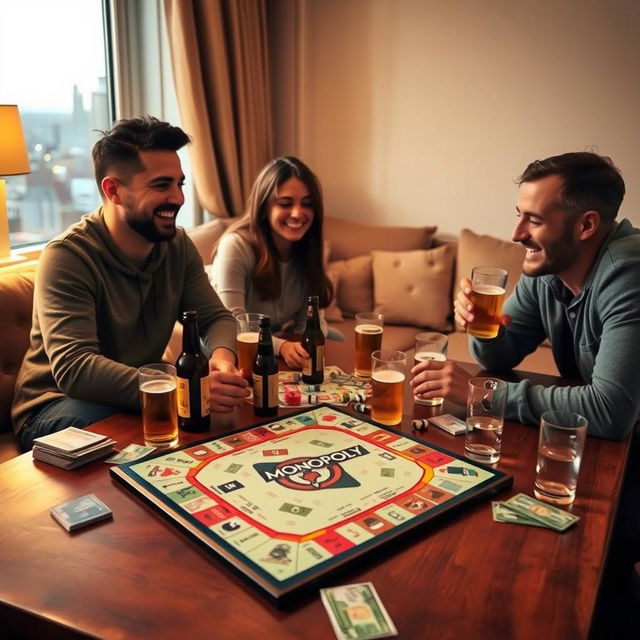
560, 446
486, 401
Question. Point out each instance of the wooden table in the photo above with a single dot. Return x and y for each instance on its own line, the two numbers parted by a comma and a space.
138, 577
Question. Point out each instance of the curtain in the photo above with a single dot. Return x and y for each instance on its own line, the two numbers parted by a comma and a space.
221, 71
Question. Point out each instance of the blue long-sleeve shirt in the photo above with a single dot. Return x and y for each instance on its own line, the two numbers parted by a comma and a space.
604, 321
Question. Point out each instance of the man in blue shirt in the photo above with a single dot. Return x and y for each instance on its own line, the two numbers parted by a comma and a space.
580, 288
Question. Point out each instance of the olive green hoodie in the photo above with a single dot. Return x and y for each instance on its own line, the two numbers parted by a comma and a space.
97, 316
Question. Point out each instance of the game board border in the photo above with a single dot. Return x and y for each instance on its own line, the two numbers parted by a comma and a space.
280, 591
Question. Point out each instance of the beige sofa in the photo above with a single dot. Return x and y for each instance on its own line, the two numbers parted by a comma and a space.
408, 274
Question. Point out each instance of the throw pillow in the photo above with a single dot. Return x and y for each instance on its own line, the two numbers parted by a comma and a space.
333, 313
414, 287
355, 285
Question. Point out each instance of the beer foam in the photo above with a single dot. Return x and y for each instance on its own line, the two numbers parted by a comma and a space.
388, 376
368, 328
157, 386
488, 289
429, 355
248, 337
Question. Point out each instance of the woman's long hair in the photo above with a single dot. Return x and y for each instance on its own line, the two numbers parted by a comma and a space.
255, 228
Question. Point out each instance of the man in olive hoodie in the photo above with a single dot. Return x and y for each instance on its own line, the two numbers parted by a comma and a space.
109, 290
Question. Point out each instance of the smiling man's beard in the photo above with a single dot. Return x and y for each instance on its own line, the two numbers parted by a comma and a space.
146, 226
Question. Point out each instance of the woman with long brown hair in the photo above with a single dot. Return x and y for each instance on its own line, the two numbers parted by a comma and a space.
270, 260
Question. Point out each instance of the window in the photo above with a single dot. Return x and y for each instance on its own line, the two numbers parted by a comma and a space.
53, 66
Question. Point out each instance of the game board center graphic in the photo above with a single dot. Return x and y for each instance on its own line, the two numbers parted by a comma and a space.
312, 473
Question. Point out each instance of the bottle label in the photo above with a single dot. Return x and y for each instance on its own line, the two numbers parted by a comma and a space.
205, 407
265, 390
184, 405
320, 357
312, 365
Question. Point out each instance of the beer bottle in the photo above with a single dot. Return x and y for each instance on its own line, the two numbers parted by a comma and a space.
313, 344
265, 373
192, 371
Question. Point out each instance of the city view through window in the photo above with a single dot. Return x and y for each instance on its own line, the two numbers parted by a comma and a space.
52, 65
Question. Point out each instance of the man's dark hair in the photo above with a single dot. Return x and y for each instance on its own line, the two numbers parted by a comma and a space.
591, 182
123, 144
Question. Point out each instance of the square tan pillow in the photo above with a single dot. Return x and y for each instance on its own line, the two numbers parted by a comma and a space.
414, 287
355, 285
482, 250
353, 239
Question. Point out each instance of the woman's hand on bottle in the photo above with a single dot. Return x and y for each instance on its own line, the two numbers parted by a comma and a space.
293, 354
227, 388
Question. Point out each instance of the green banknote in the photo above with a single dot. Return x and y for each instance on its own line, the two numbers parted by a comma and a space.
355, 611
541, 512
502, 513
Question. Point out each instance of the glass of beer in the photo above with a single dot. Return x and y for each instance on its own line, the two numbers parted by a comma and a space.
487, 294
247, 341
158, 397
369, 327
388, 373
430, 346
560, 446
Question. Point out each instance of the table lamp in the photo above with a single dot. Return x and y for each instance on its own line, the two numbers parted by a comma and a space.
14, 160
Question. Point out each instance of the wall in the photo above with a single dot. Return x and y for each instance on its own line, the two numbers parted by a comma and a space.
423, 111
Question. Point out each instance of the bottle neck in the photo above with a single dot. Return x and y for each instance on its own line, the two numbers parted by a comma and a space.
265, 343
313, 316
190, 335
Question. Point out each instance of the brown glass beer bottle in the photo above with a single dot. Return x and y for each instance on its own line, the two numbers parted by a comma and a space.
192, 372
313, 344
265, 373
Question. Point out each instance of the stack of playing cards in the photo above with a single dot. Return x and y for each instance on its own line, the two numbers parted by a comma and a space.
71, 447
80, 512
355, 611
522, 509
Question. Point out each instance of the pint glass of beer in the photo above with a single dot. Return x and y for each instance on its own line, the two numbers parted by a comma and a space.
487, 293
369, 327
430, 346
388, 372
247, 341
158, 397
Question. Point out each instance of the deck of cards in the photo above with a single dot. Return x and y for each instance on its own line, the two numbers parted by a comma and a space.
80, 512
355, 611
71, 447
522, 509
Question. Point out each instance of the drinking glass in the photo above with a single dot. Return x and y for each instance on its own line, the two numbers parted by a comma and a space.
560, 446
486, 403
369, 328
487, 293
388, 373
158, 397
247, 342
430, 346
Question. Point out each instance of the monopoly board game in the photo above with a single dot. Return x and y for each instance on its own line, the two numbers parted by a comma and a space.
287, 501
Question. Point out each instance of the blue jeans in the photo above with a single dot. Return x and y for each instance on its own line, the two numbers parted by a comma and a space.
60, 414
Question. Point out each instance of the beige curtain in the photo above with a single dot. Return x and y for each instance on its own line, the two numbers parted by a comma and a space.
221, 72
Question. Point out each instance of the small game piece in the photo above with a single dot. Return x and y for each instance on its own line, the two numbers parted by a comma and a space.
420, 424
361, 407
292, 396
313, 387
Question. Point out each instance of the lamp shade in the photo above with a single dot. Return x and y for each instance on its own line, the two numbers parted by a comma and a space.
14, 158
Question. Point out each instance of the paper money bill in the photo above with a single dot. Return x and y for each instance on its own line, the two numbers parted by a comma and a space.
549, 516
502, 513
355, 611
130, 453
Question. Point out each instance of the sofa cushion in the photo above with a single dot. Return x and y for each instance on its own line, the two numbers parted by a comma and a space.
206, 235
332, 312
16, 293
414, 287
355, 285
351, 239
483, 250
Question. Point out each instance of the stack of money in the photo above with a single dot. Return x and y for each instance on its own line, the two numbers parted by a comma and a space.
523, 509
